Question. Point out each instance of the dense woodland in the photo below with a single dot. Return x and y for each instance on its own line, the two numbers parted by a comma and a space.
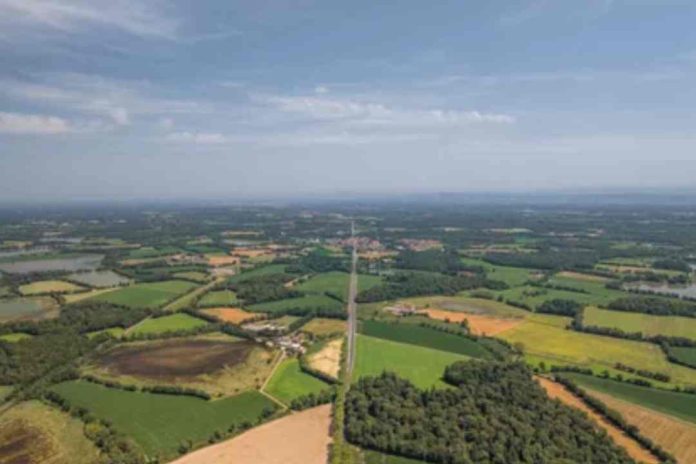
496, 414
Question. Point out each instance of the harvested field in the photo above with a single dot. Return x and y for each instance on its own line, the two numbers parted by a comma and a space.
328, 359
675, 436
581, 276
33, 433
217, 261
301, 438
479, 325
49, 286
637, 452
164, 324
174, 359
233, 315
324, 327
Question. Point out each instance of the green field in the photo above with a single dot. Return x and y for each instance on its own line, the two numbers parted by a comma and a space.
306, 303
257, 272
686, 355
367, 281
545, 338
289, 382
535, 296
14, 337
513, 276
99, 279
151, 252
160, 325
218, 298
160, 423
422, 366
200, 277
146, 295
672, 326
423, 336
335, 283
682, 405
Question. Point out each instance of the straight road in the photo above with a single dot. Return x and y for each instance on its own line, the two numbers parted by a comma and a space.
352, 307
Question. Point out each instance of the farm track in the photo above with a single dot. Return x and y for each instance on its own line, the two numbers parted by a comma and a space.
262, 390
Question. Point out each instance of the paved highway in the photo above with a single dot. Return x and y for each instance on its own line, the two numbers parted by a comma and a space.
352, 307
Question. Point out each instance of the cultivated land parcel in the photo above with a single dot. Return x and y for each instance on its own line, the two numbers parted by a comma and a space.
127, 339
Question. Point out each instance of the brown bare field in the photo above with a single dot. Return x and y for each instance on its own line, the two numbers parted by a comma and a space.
217, 261
251, 252
637, 452
174, 359
300, 438
479, 325
375, 255
328, 359
33, 433
581, 276
233, 315
674, 435
321, 326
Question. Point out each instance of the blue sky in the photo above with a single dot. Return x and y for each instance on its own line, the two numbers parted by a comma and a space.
219, 98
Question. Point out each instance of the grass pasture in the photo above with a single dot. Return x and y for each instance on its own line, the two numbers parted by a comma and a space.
672, 326
321, 327
164, 324
368, 281
686, 355
422, 366
14, 337
535, 296
304, 304
49, 286
423, 336
544, 338
257, 272
335, 283
146, 295
289, 382
513, 276
160, 423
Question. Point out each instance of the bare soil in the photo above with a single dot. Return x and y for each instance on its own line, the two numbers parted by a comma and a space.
300, 438
328, 359
233, 315
174, 359
635, 450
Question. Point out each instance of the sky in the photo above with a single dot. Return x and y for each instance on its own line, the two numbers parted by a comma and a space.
234, 99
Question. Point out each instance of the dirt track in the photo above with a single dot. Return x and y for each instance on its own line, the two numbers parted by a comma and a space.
175, 358
300, 438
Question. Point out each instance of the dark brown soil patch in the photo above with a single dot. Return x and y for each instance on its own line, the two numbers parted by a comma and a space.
175, 358
22, 444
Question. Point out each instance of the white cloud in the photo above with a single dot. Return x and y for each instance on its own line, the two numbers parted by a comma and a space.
141, 18
198, 138
16, 123
115, 101
368, 113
